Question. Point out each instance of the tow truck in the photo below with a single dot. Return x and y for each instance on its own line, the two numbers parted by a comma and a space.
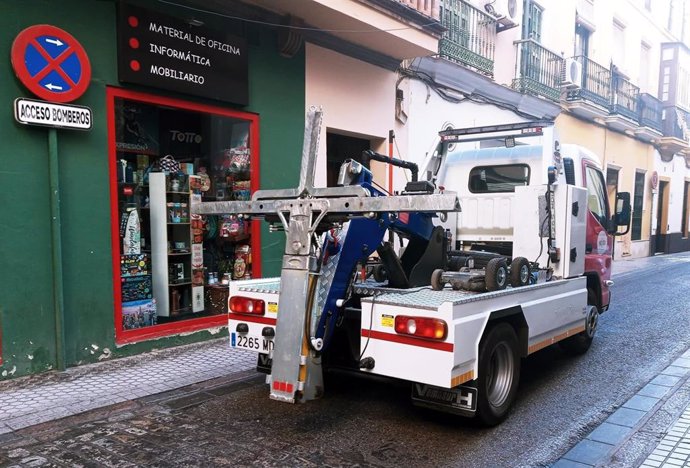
458, 346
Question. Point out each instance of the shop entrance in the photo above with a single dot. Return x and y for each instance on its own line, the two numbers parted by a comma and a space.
661, 217
171, 267
338, 149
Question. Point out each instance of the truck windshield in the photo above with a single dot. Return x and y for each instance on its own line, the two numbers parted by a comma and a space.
503, 178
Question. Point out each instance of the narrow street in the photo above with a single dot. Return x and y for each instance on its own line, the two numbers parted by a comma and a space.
362, 422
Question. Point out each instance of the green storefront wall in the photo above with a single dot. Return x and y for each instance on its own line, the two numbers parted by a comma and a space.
27, 305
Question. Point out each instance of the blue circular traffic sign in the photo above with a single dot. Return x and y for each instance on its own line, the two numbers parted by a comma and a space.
51, 63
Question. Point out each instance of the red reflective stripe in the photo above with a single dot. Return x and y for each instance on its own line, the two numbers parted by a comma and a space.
283, 386
252, 318
408, 340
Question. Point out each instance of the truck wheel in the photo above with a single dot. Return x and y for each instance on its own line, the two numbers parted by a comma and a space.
496, 274
499, 373
519, 272
580, 343
437, 282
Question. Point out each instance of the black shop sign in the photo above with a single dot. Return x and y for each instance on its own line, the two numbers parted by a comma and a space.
158, 50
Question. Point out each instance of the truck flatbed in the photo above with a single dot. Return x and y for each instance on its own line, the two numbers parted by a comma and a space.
544, 314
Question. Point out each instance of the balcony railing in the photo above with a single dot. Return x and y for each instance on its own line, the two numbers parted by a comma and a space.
615, 93
650, 111
625, 96
596, 83
429, 8
538, 70
675, 123
470, 38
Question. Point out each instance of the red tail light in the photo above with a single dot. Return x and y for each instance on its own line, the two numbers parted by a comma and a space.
421, 327
247, 305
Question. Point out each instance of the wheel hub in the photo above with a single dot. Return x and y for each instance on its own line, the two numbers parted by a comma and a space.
592, 321
524, 274
501, 276
500, 375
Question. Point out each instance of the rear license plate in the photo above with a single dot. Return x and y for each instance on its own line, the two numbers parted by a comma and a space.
258, 344
460, 398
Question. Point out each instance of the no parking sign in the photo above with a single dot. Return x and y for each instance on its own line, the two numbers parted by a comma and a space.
51, 63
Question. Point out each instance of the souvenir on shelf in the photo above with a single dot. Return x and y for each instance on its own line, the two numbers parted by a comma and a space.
243, 262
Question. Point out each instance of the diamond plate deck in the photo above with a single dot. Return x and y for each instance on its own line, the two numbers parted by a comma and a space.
427, 298
424, 297
268, 286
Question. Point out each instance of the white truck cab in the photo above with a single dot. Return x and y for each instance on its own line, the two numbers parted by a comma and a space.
485, 179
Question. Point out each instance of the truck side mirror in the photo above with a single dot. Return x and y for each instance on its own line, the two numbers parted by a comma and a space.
623, 213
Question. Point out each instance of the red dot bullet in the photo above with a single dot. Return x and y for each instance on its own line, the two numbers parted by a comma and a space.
133, 21
134, 43
134, 65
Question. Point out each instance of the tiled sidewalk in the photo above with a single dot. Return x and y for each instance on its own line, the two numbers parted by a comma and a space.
33, 400
674, 449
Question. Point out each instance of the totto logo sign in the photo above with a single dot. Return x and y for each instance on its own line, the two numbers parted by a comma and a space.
185, 137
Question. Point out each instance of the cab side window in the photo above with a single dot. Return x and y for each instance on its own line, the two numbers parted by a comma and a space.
596, 195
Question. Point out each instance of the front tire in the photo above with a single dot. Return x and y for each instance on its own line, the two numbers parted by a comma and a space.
499, 374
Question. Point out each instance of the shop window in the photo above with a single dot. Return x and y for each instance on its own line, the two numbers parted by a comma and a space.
638, 202
172, 267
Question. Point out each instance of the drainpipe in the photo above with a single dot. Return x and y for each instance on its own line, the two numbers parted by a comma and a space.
56, 244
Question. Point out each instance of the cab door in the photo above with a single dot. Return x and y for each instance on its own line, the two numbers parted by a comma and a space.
599, 243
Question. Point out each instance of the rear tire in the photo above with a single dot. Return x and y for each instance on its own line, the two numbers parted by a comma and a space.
499, 374
519, 272
496, 274
580, 343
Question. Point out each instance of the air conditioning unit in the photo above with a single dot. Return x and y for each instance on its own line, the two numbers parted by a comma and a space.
571, 78
505, 11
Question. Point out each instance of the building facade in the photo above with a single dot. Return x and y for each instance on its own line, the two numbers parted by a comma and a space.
615, 69
104, 259
188, 101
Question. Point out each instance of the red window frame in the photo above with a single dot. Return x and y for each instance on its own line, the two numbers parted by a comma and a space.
123, 336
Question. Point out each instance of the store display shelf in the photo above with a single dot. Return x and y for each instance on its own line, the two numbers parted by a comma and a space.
181, 224
179, 193
179, 253
185, 283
